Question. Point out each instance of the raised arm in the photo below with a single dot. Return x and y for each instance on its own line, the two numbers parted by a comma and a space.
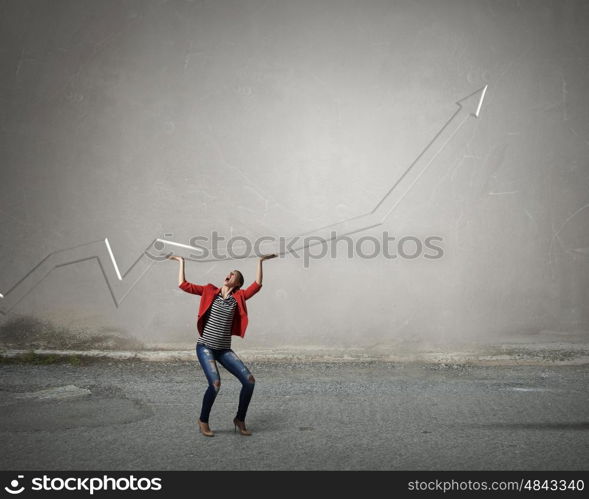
183, 284
254, 287
180, 260
260, 272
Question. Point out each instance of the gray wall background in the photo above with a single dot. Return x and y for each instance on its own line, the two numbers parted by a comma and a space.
123, 119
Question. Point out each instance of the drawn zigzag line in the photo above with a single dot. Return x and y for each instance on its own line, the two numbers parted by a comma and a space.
119, 286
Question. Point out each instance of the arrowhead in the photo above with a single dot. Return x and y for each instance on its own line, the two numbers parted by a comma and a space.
474, 101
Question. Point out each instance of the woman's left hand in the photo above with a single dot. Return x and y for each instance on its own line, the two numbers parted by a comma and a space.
267, 257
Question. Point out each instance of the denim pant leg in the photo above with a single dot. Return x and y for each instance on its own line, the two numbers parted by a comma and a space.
206, 357
230, 361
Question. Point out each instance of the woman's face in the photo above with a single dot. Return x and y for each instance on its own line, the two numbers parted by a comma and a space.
232, 280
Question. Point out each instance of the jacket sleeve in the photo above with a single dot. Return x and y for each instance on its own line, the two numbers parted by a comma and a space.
251, 290
195, 289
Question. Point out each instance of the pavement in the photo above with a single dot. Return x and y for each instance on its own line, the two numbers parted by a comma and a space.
123, 413
545, 347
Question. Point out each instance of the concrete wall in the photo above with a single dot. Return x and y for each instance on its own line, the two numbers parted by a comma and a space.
128, 119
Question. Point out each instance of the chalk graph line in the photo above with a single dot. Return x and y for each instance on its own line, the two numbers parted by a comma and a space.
120, 285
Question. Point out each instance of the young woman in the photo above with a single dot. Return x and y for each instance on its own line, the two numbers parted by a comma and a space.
222, 314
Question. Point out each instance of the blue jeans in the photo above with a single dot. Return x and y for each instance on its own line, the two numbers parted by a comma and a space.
230, 361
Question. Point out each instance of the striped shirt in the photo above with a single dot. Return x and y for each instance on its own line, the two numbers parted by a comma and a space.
217, 329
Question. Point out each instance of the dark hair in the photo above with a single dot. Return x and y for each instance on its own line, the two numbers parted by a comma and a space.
240, 275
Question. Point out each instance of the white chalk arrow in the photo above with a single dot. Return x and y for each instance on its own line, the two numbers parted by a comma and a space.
120, 285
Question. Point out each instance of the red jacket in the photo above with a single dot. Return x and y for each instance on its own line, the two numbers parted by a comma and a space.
208, 294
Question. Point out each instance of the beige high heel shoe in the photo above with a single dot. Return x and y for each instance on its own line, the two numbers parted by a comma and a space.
240, 425
204, 429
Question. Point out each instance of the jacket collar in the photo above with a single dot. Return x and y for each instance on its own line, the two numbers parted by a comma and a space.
233, 293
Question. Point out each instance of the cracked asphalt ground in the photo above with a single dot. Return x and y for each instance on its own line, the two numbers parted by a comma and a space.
134, 415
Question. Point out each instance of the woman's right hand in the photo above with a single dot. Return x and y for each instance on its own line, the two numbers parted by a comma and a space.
179, 259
